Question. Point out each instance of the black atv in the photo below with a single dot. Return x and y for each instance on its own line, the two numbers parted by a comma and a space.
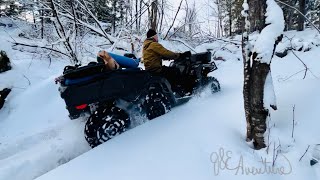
111, 98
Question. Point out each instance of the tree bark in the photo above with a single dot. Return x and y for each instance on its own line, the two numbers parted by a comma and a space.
162, 15
246, 89
42, 24
246, 52
290, 15
137, 22
154, 14
258, 112
257, 18
302, 9
114, 3
140, 6
255, 74
230, 24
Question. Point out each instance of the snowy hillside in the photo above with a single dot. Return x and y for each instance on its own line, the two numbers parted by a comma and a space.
193, 141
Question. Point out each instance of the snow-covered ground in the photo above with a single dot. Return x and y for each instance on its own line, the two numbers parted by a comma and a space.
203, 139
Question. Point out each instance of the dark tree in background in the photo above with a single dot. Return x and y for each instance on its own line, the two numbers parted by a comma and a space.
11, 8
302, 8
154, 14
230, 12
257, 18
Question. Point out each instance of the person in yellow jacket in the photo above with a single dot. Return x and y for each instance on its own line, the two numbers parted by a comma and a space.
153, 53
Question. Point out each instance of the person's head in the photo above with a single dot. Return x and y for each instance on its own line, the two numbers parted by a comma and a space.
152, 34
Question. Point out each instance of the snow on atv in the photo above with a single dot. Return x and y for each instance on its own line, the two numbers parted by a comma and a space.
110, 96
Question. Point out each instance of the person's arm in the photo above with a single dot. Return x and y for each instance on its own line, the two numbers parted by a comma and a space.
162, 51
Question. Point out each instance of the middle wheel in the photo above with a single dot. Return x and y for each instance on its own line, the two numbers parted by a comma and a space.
105, 124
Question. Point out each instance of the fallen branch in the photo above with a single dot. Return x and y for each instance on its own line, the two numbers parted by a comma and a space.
27, 79
184, 43
304, 153
304, 64
293, 123
218, 39
42, 47
306, 67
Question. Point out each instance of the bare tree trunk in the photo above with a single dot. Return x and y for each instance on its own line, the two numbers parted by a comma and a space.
185, 18
290, 15
302, 8
131, 15
42, 24
114, 3
154, 14
137, 23
140, 6
246, 52
219, 19
162, 15
75, 17
257, 14
259, 72
319, 19
230, 20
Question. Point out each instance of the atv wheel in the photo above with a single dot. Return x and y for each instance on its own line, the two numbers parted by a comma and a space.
105, 124
156, 104
214, 85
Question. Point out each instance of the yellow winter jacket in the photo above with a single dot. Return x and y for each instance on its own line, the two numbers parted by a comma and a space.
153, 53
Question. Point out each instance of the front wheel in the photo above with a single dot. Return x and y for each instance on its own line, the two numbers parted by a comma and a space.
104, 124
214, 84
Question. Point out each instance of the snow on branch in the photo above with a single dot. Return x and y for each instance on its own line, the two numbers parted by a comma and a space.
264, 45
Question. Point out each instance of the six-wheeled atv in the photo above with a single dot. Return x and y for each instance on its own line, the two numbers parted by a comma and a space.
112, 97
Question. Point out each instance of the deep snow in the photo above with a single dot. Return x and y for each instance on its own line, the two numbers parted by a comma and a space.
37, 136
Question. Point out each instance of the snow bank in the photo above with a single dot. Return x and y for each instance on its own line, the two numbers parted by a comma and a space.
193, 141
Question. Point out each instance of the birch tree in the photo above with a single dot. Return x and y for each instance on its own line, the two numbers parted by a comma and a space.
258, 92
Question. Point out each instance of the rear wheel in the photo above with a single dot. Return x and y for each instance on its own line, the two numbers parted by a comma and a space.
156, 104
104, 124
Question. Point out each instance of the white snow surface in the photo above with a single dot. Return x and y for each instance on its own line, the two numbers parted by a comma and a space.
269, 96
193, 141
264, 45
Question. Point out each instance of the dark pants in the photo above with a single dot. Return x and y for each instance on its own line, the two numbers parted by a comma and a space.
171, 74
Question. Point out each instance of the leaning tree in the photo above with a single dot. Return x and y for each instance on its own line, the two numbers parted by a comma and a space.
258, 90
